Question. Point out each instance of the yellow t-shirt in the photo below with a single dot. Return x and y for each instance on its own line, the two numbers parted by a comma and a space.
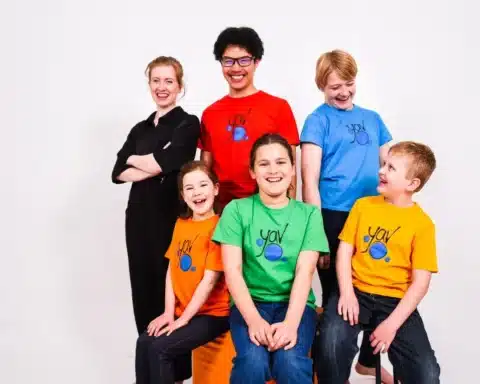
389, 243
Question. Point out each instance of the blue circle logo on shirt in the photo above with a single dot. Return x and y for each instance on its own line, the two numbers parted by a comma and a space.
185, 262
378, 250
273, 252
362, 138
239, 133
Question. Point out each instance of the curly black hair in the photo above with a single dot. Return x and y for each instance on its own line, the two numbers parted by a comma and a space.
244, 37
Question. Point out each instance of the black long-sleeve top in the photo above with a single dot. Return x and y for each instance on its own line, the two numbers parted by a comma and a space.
173, 143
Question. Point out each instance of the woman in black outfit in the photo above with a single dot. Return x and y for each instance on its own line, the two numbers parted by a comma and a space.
150, 159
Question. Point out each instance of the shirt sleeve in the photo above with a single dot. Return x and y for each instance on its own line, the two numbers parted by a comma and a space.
349, 231
287, 126
182, 148
214, 257
314, 130
229, 228
424, 254
172, 248
384, 135
315, 238
123, 154
204, 141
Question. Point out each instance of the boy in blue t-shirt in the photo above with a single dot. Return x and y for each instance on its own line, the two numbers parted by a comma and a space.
342, 147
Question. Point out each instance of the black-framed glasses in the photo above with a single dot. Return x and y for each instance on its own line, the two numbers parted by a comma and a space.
243, 61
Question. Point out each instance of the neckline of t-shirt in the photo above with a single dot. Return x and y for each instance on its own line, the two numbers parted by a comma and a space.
215, 216
258, 93
259, 200
393, 206
342, 111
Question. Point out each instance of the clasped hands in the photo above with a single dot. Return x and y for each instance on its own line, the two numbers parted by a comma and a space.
273, 336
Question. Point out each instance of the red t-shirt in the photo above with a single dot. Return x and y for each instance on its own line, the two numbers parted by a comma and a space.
229, 128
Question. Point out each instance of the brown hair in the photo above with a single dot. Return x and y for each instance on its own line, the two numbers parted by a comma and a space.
266, 139
337, 61
166, 61
191, 166
422, 160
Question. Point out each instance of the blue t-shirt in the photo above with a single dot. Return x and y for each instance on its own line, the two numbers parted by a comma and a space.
350, 142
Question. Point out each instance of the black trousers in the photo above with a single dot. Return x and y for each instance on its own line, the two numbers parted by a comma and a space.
333, 222
149, 232
157, 357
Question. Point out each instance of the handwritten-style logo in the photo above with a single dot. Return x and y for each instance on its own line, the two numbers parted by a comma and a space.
377, 242
237, 127
360, 135
270, 244
184, 255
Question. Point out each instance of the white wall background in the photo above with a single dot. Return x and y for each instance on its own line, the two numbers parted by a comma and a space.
72, 86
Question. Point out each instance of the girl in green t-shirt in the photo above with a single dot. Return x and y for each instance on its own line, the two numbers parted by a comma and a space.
270, 247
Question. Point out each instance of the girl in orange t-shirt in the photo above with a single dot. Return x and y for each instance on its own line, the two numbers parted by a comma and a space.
196, 296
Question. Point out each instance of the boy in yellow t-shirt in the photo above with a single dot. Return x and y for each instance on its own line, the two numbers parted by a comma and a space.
384, 264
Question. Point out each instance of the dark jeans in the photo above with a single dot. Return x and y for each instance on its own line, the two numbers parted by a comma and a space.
411, 355
156, 357
253, 365
333, 222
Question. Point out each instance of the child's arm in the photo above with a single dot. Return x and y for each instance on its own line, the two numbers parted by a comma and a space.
384, 334
200, 296
258, 329
169, 295
285, 332
311, 160
348, 303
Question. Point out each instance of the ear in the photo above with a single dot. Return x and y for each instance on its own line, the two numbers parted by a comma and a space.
414, 184
252, 174
216, 189
257, 62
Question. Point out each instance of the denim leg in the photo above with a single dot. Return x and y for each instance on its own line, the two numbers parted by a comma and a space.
336, 346
294, 366
411, 354
251, 364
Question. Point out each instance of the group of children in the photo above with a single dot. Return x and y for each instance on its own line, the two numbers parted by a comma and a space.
247, 268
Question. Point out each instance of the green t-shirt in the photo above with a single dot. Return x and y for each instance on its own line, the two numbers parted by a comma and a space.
271, 240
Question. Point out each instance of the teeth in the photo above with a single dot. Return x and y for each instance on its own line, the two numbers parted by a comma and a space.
274, 179
237, 77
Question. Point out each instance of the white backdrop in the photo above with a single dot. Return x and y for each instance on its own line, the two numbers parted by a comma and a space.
73, 86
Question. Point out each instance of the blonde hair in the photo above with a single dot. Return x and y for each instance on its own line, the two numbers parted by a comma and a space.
337, 61
166, 61
422, 160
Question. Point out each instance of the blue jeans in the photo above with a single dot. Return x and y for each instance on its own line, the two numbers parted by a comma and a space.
254, 365
411, 355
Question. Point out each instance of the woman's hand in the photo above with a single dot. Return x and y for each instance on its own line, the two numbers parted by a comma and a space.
159, 323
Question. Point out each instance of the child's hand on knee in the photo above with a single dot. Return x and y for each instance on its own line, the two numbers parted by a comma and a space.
260, 332
382, 337
284, 335
157, 324
348, 308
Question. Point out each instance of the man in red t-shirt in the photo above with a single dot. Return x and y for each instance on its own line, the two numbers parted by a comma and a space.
230, 126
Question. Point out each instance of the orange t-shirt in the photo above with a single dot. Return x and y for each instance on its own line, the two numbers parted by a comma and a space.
229, 128
191, 252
